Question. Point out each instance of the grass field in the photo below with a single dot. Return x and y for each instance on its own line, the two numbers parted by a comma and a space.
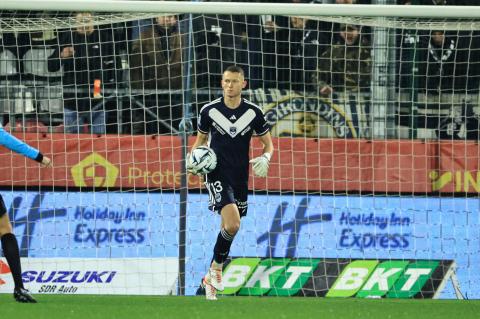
137, 307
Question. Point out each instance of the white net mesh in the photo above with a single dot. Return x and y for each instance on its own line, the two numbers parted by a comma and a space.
43, 21
375, 125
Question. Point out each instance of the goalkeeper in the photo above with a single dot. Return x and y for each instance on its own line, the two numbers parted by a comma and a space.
228, 123
9, 242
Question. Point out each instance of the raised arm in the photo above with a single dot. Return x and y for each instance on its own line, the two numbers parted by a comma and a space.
20, 147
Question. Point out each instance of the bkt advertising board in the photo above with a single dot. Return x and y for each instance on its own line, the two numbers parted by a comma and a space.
145, 225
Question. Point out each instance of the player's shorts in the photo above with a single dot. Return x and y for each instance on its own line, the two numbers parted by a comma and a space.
3, 208
222, 193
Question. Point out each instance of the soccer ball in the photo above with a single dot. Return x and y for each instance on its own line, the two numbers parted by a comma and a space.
203, 160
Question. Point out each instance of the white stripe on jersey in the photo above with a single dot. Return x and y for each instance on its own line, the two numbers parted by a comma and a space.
210, 103
232, 129
253, 104
258, 107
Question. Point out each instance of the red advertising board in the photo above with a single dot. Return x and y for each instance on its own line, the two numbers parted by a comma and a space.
306, 165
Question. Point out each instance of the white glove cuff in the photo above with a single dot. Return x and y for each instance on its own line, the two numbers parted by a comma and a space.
267, 156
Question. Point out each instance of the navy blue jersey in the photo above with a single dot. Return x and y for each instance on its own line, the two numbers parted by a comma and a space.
230, 133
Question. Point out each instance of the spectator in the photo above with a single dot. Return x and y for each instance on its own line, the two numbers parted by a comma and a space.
443, 64
87, 54
346, 65
156, 57
299, 47
262, 48
156, 66
264, 34
218, 44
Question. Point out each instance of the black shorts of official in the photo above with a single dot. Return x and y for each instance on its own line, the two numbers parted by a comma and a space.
222, 193
3, 208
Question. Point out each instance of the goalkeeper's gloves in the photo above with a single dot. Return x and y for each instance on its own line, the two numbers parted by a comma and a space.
261, 164
189, 166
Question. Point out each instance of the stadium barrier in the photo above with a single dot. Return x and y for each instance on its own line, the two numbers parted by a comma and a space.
314, 165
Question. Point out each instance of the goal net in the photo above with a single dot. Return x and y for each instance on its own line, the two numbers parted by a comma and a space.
374, 111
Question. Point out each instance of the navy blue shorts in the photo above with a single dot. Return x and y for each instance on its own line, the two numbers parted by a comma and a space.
222, 193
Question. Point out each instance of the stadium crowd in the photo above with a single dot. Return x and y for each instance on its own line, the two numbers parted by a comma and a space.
132, 77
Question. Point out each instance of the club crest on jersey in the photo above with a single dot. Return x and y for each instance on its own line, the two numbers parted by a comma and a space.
233, 130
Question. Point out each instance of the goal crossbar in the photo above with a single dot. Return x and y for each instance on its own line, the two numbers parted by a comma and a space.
243, 8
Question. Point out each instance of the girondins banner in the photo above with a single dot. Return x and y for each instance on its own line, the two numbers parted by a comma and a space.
299, 164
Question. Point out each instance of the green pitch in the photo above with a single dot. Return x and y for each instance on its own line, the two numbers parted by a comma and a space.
139, 307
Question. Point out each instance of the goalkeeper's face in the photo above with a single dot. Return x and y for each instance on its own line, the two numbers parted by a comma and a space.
233, 83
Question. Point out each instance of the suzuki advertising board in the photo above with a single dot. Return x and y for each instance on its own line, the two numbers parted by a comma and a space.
95, 276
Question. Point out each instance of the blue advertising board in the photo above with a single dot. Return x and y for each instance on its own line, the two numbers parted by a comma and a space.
122, 225
61, 224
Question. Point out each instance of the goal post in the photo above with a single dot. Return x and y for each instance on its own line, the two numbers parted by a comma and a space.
373, 190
